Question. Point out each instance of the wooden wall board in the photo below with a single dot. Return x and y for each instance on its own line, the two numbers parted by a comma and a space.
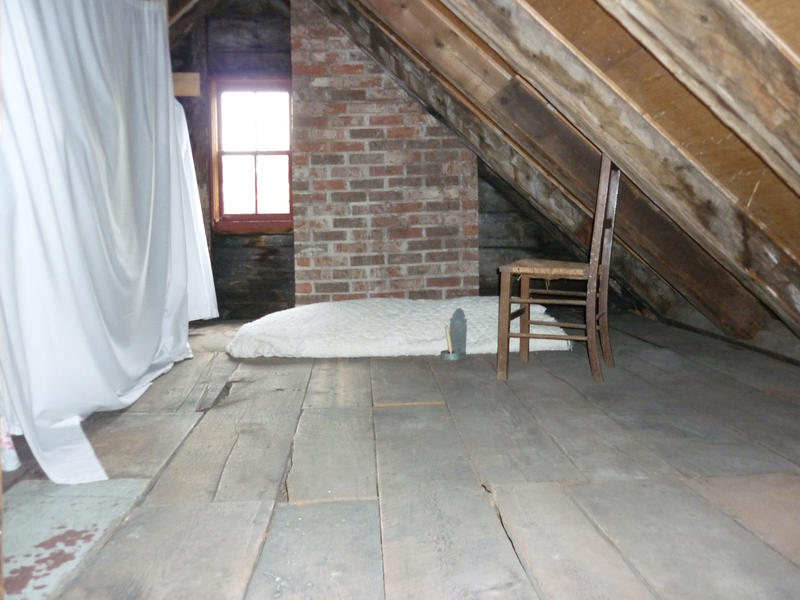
444, 47
662, 96
648, 155
781, 17
329, 550
755, 90
253, 273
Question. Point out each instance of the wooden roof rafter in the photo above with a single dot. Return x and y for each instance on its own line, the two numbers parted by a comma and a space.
493, 91
681, 186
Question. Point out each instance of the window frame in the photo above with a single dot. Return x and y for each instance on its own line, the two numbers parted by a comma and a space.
245, 223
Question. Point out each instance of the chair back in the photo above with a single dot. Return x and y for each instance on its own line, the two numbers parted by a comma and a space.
604, 219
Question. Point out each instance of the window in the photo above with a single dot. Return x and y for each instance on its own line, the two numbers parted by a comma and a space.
251, 155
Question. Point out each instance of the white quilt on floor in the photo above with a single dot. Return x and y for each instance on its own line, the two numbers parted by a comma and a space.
103, 258
379, 327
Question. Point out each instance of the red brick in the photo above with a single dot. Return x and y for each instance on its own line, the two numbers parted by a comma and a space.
405, 233
330, 184
302, 288
386, 119
346, 69
401, 132
442, 282
301, 69
347, 146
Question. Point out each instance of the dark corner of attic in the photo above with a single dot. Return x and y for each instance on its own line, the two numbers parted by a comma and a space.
316, 298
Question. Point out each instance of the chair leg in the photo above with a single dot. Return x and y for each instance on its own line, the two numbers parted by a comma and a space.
602, 323
591, 336
503, 324
524, 319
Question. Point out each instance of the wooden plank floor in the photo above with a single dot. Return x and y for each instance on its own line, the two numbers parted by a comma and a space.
679, 477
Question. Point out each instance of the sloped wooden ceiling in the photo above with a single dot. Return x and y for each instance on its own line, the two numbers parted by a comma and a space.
562, 80
698, 104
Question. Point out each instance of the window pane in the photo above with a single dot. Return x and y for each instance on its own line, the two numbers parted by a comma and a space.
273, 120
238, 121
273, 184
238, 185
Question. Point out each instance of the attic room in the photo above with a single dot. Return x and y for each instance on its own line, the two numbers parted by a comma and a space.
261, 263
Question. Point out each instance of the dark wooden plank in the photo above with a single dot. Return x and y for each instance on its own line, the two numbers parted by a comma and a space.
326, 550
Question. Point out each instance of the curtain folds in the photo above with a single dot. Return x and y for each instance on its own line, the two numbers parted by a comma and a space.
103, 256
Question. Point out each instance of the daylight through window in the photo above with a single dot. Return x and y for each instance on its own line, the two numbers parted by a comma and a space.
252, 158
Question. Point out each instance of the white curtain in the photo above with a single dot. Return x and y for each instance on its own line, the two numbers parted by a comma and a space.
103, 255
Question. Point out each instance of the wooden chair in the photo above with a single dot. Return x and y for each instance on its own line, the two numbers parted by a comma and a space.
595, 298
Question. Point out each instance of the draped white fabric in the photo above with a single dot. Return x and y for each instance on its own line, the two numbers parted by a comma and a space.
103, 256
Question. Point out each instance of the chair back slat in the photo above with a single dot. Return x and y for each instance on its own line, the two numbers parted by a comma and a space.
599, 218
610, 219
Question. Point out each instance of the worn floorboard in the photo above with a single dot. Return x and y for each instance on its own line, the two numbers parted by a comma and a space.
321, 550
334, 455
446, 542
768, 505
561, 548
685, 547
199, 551
339, 383
409, 381
152, 439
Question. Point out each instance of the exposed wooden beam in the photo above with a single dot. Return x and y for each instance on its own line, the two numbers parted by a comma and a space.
733, 62
186, 84
187, 15
534, 135
655, 162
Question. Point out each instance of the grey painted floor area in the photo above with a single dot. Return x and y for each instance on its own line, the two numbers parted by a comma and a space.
402, 478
